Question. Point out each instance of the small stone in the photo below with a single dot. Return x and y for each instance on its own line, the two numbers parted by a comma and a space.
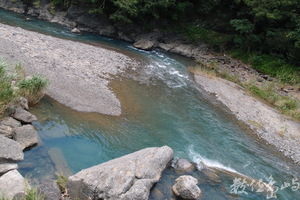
186, 187
26, 135
24, 103
23, 115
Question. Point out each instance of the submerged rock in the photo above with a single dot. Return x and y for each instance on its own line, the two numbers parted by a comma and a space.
26, 135
186, 187
60, 162
128, 177
12, 185
23, 115
10, 150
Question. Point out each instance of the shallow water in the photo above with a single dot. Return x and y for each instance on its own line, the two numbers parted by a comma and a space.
161, 106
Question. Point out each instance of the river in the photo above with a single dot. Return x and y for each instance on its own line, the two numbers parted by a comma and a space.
161, 105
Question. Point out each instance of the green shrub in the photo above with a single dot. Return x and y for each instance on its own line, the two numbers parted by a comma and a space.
33, 88
271, 65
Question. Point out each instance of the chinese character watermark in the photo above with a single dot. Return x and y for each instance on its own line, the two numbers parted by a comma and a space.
241, 185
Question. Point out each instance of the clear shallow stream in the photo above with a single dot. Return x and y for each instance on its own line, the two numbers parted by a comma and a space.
161, 106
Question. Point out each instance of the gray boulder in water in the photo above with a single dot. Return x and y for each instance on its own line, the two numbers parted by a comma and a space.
26, 136
186, 188
23, 115
128, 177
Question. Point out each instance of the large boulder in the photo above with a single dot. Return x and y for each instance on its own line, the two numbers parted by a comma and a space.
26, 135
186, 187
128, 177
144, 44
12, 184
10, 150
23, 115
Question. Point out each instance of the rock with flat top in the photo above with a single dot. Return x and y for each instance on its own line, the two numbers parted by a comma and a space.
5, 167
23, 115
26, 135
12, 184
11, 122
186, 188
128, 177
10, 150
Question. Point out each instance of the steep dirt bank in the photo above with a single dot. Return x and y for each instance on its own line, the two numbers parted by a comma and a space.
265, 121
79, 73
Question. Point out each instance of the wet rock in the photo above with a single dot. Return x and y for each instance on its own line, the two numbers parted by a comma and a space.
212, 176
75, 30
144, 44
128, 177
26, 135
9, 121
23, 115
157, 194
183, 165
6, 131
186, 187
10, 150
5, 167
23, 103
12, 185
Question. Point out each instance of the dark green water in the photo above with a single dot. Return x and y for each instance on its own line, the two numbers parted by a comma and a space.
161, 106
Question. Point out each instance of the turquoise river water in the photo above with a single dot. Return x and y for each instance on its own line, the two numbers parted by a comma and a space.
161, 105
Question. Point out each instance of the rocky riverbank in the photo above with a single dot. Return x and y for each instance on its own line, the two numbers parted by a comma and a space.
16, 134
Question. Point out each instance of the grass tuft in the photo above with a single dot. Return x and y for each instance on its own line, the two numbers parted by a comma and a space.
33, 88
33, 194
62, 183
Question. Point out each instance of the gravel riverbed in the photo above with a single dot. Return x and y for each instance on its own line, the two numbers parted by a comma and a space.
79, 73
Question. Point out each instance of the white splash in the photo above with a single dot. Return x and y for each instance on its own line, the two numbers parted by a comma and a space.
198, 159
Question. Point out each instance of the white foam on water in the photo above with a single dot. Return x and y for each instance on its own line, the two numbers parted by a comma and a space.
197, 158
